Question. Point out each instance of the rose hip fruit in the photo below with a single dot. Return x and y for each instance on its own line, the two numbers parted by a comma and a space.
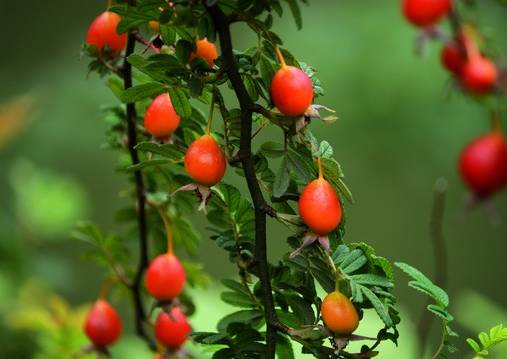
161, 120
206, 50
319, 207
102, 32
339, 314
424, 13
165, 277
171, 330
291, 91
103, 325
205, 161
483, 164
479, 74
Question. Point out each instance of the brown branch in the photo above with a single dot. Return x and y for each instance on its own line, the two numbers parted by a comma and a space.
439, 253
247, 106
135, 288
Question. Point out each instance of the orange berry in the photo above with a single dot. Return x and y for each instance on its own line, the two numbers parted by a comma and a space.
206, 50
339, 314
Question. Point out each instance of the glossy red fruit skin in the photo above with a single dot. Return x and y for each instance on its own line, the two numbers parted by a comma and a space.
171, 330
161, 120
165, 277
424, 13
102, 32
452, 57
291, 91
483, 164
205, 161
319, 207
479, 75
103, 325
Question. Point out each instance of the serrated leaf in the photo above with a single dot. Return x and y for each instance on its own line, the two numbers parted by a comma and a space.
282, 179
426, 285
272, 149
237, 299
180, 102
296, 13
252, 317
300, 166
440, 312
166, 150
145, 164
378, 306
474, 345
284, 347
325, 150
355, 265
372, 279
140, 92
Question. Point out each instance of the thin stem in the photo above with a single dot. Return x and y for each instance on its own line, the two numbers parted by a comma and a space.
109, 4
131, 116
442, 343
245, 155
168, 231
105, 287
496, 122
210, 117
321, 170
439, 253
280, 57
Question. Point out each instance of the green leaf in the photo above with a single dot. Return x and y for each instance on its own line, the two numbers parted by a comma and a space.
300, 165
355, 265
372, 279
424, 284
284, 347
484, 339
302, 309
146, 164
440, 312
474, 345
252, 317
272, 149
282, 179
378, 305
325, 150
140, 92
237, 299
267, 69
180, 102
116, 86
296, 13
166, 150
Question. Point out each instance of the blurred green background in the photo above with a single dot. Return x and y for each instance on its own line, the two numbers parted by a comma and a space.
400, 129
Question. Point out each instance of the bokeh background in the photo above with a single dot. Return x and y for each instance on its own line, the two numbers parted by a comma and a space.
401, 127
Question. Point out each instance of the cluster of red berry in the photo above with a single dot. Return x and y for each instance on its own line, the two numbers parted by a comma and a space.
483, 163
292, 94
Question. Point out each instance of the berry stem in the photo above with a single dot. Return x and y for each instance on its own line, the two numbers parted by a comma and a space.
168, 231
105, 287
321, 170
496, 122
109, 4
210, 117
280, 57
471, 49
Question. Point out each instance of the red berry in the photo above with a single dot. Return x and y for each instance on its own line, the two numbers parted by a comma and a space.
161, 120
319, 207
339, 314
479, 74
165, 277
452, 57
102, 32
206, 50
423, 13
291, 91
483, 164
172, 329
205, 161
103, 324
